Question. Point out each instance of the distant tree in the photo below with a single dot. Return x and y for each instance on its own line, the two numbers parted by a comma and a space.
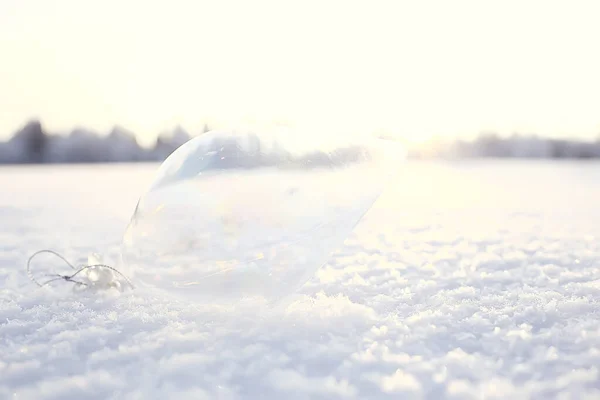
491, 145
31, 142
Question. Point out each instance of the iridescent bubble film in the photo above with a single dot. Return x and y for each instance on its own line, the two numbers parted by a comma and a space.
232, 216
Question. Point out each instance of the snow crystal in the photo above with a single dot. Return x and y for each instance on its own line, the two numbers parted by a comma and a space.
466, 280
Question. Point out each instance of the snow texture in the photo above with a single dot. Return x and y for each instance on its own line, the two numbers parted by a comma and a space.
466, 280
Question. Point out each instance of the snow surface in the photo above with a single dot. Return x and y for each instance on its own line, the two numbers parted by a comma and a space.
475, 279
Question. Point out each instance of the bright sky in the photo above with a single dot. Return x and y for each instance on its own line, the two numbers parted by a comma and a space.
410, 68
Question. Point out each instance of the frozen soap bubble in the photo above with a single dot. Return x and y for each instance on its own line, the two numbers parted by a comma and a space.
232, 216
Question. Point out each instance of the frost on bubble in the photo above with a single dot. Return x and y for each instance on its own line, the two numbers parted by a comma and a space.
235, 215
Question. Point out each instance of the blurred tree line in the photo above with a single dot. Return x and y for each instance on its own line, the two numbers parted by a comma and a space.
33, 145
490, 145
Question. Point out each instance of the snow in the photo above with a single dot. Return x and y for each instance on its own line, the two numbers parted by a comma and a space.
473, 279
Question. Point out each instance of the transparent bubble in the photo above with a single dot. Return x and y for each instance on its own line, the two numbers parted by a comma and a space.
233, 216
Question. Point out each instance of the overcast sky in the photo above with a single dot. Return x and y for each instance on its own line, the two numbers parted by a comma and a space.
412, 68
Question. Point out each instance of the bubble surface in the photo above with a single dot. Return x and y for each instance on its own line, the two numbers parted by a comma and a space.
233, 216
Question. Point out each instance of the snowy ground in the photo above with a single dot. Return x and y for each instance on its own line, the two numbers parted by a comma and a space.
478, 279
